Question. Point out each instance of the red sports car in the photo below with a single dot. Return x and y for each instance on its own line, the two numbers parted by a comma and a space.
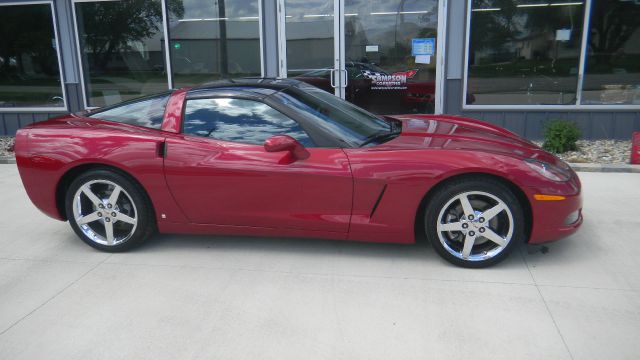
282, 158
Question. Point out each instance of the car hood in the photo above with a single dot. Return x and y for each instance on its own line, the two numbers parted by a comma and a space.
460, 133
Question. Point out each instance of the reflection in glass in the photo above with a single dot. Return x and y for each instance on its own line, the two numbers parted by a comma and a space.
612, 71
29, 68
239, 120
210, 40
309, 30
147, 112
384, 74
121, 44
524, 52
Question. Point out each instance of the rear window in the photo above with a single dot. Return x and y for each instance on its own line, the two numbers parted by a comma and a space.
146, 112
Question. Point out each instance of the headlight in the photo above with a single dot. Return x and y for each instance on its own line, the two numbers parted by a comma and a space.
549, 171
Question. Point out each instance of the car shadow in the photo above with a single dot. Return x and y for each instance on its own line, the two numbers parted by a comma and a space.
271, 247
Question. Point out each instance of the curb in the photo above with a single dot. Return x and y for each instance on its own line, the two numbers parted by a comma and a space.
582, 167
7, 160
605, 168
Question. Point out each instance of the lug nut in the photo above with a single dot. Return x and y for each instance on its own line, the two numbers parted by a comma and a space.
113, 214
481, 230
107, 219
481, 220
471, 233
109, 206
465, 225
99, 214
470, 217
101, 206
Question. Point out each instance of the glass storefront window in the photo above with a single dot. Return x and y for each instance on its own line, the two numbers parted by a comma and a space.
121, 46
29, 62
213, 39
310, 39
390, 51
612, 68
524, 52
385, 46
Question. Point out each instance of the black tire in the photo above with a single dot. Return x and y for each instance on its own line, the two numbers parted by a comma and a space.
445, 195
144, 215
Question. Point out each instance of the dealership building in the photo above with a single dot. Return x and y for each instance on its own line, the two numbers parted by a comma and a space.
515, 63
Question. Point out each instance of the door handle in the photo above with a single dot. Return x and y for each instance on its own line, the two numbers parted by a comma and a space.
331, 78
346, 77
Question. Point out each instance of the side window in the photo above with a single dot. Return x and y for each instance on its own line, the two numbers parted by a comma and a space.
147, 112
239, 120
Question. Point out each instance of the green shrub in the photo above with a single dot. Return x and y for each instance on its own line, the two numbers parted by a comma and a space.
560, 136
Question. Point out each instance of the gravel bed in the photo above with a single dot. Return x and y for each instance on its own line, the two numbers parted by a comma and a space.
599, 151
589, 151
4, 143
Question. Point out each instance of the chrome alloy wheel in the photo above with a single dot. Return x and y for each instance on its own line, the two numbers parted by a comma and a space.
105, 212
475, 226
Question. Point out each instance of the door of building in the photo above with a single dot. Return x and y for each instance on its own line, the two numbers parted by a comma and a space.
385, 56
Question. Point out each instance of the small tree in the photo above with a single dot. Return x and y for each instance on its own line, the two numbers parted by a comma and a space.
560, 136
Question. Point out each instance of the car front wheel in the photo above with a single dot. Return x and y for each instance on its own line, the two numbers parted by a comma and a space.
474, 223
108, 211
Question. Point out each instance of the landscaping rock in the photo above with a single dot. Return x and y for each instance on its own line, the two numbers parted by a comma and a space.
599, 151
5, 142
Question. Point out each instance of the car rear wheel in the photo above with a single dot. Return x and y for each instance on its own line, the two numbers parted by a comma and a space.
474, 223
108, 211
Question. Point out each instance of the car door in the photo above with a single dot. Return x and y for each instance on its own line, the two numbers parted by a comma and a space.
220, 173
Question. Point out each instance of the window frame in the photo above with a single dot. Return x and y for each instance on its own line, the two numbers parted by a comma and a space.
581, 68
166, 46
239, 97
54, 19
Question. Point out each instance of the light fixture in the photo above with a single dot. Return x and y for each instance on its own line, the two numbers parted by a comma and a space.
398, 12
532, 5
487, 9
566, 4
208, 19
549, 4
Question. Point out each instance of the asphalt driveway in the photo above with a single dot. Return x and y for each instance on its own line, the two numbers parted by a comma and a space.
204, 297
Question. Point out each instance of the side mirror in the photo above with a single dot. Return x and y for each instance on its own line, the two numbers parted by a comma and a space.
278, 143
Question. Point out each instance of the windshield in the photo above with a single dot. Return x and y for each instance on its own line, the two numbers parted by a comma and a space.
351, 124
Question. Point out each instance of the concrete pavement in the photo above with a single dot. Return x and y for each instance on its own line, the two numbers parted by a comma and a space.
205, 297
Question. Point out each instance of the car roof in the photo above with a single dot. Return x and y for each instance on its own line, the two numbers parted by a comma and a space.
256, 86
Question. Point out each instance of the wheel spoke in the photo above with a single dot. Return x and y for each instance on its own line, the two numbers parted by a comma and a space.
452, 226
466, 205
108, 228
88, 218
491, 213
491, 235
125, 218
93, 197
468, 245
113, 198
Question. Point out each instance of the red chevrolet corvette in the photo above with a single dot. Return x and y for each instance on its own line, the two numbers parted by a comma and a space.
283, 158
